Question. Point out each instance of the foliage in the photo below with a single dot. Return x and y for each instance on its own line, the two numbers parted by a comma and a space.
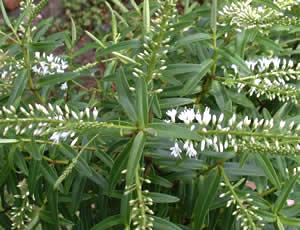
193, 125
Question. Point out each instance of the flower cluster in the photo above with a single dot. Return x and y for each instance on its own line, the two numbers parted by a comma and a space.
9, 68
20, 215
245, 208
272, 78
155, 45
242, 15
38, 120
141, 211
48, 65
220, 134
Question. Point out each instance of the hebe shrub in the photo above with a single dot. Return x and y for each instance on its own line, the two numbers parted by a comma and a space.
194, 123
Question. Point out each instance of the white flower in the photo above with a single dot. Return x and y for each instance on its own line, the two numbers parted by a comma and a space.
191, 152
206, 116
187, 116
282, 124
57, 136
235, 68
175, 150
172, 114
64, 86
186, 144
95, 113
198, 117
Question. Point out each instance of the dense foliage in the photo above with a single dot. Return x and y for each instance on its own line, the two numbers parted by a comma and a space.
194, 123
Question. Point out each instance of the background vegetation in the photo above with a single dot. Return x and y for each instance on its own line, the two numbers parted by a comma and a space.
190, 119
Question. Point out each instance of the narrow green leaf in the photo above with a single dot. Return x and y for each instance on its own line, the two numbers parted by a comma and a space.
20, 84
163, 224
268, 168
142, 102
124, 94
133, 3
95, 39
108, 223
290, 221
34, 174
146, 16
74, 32
180, 68
174, 131
77, 192
213, 16
135, 155
168, 103
123, 45
4, 172
57, 79
120, 5
50, 174
162, 198
193, 38
286, 189
156, 106
268, 43
6, 19
233, 58
195, 79
119, 166
209, 187
52, 205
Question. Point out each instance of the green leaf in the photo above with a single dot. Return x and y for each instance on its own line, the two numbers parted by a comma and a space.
50, 174
130, 44
4, 172
174, 131
163, 224
242, 39
74, 32
268, 43
162, 198
77, 193
57, 79
207, 194
34, 174
247, 170
120, 5
213, 16
290, 221
168, 103
124, 95
108, 223
268, 168
135, 155
174, 69
146, 16
240, 99
119, 166
156, 106
286, 189
20, 84
193, 38
195, 79
6, 19
52, 204
233, 58
142, 102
